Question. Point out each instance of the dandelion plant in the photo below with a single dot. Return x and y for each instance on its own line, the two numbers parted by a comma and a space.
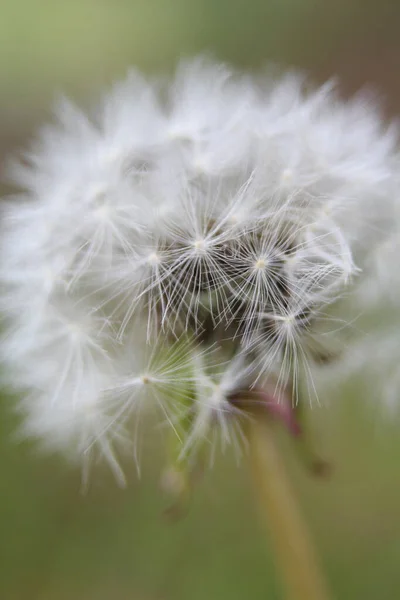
197, 249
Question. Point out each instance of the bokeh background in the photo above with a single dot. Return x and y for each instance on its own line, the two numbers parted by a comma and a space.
58, 544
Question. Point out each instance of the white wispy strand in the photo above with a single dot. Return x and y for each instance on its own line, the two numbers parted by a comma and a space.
187, 241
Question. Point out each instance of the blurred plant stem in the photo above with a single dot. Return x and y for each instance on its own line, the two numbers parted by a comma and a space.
291, 543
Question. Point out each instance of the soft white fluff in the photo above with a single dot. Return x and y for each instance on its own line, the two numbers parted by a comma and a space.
213, 215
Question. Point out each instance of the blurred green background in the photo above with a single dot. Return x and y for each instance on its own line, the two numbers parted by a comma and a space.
57, 544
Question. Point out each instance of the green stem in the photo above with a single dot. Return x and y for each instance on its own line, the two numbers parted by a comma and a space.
294, 551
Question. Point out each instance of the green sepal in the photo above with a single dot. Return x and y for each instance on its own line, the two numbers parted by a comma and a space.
182, 468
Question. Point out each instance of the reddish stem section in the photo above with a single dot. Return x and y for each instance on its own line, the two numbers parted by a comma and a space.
280, 409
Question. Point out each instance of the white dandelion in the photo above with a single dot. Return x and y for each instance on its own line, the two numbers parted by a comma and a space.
188, 244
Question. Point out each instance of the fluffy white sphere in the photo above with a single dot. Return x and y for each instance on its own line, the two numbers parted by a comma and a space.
189, 241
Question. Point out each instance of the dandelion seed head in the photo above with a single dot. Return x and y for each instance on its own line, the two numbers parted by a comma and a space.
187, 242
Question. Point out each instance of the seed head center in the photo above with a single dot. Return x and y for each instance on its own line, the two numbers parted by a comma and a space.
199, 244
287, 174
154, 258
260, 264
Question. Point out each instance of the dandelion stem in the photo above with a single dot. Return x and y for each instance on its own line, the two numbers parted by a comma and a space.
293, 548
